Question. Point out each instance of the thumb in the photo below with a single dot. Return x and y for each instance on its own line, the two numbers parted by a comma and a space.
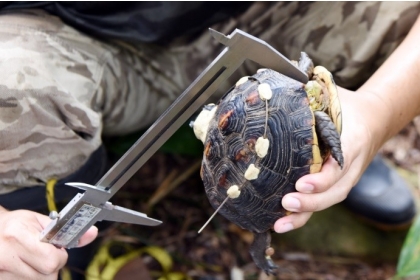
86, 238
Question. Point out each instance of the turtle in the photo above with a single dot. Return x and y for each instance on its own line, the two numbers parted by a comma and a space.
264, 134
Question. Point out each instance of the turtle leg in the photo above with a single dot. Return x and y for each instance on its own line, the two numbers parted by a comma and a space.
258, 252
329, 135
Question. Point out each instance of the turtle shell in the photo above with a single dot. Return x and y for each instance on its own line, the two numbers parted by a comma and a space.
286, 120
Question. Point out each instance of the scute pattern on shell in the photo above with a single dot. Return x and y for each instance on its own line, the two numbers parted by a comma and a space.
238, 122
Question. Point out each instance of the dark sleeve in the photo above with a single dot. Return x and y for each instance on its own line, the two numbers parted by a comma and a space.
153, 22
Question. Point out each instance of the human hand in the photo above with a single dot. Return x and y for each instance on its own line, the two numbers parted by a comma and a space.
22, 254
360, 142
378, 110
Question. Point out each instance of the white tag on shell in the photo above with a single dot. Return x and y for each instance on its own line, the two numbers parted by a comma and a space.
233, 191
261, 146
264, 91
252, 172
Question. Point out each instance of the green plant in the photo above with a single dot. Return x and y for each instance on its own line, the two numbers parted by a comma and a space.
409, 261
182, 142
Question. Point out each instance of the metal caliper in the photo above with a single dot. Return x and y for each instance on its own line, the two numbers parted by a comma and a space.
85, 209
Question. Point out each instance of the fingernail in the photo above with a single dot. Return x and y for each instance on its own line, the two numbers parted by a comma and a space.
291, 203
305, 187
284, 228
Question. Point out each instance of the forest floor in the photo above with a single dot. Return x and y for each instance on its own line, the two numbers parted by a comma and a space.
333, 245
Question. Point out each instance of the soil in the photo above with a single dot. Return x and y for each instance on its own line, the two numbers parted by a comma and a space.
168, 187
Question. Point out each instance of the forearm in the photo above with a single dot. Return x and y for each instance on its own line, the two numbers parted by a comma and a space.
393, 91
378, 110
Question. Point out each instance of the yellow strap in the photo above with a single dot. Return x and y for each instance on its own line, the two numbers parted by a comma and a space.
50, 195
65, 273
105, 267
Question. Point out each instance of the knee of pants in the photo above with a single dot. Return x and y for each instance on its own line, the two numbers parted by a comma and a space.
48, 126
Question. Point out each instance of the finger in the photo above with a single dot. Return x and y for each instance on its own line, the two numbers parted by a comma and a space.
45, 264
23, 271
88, 237
291, 222
320, 182
16, 269
43, 220
43, 257
300, 202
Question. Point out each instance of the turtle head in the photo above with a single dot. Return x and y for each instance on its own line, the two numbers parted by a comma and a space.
201, 124
316, 96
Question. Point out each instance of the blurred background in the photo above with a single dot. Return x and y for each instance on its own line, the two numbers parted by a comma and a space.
335, 244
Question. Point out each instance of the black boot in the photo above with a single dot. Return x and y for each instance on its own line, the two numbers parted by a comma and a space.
382, 197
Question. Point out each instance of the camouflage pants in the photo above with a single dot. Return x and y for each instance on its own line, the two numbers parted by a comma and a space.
61, 90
